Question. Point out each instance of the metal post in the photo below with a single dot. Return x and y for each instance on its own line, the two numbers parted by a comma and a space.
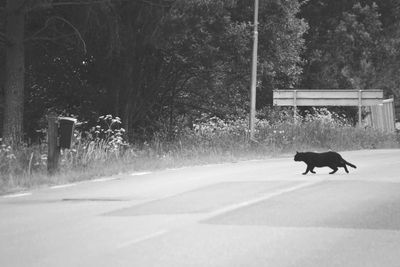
359, 107
254, 73
392, 123
295, 106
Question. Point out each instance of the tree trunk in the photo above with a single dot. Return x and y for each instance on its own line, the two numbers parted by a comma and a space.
15, 72
126, 99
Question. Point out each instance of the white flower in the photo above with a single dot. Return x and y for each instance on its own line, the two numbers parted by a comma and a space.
11, 156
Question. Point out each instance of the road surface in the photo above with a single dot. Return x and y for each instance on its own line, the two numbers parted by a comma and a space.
251, 213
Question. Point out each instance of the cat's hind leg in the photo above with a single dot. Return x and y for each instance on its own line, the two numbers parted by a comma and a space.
334, 168
312, 169
345, 168
343, 164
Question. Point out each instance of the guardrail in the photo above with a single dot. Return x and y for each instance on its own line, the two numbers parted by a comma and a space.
340, 97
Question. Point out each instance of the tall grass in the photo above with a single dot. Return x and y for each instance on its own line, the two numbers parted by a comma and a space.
103, 151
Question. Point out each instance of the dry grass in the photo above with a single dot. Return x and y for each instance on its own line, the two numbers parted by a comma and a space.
210, 141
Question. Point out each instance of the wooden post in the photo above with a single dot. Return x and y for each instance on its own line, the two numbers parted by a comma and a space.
53, 154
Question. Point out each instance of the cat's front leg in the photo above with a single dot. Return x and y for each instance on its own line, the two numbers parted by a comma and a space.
308, 168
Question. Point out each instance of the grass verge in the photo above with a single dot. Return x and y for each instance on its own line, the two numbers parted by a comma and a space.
214, 141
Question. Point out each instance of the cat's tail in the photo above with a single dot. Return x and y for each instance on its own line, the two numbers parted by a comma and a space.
348, 163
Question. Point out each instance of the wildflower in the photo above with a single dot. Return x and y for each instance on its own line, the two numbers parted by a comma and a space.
11, 156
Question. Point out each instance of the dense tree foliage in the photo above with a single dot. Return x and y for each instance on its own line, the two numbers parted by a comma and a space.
352, 44
156, 63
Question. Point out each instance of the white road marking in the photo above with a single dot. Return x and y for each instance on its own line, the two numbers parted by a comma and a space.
173, 169
103, 179
262, 198
18, 195
139, 173
141, 239
62, 186
226, 209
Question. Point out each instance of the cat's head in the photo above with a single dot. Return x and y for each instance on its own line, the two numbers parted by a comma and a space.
298, 156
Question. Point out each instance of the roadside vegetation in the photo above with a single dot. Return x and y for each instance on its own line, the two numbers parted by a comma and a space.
102, 150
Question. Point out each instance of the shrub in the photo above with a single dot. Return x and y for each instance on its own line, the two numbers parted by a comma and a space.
101, 143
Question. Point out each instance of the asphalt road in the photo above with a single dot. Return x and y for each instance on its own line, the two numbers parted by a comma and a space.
252, 213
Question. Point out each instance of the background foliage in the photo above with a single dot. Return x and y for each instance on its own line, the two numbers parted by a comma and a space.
152, 61
174, 77
157, 61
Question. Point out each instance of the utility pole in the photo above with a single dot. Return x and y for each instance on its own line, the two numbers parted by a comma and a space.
254, 73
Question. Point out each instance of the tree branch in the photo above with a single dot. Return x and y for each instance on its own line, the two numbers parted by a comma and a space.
68, 3
52, 39
75, 30
79, 3
46, 25
4, 40
22, 6
157, 4
89, 2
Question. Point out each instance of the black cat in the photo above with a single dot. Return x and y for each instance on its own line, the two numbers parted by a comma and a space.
329, 159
